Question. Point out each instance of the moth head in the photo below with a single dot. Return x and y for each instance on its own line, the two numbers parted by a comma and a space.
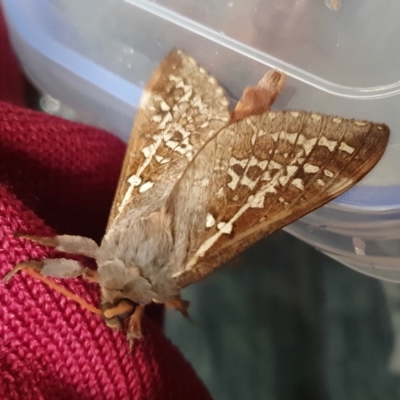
122, 290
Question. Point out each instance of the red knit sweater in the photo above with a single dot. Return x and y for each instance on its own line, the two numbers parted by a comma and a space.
59, 176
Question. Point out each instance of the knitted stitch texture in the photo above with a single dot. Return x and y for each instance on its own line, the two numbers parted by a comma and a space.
65, 174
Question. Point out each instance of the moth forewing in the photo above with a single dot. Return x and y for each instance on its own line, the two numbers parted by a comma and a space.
182, 106
263, 173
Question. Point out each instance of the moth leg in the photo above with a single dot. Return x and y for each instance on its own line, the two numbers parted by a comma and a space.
66, 243
134, 329
60, 268
55, 267
123, 307
30, 264
180, 305
66, 268
257, 100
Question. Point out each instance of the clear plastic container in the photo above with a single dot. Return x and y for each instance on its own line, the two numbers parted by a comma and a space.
341, 58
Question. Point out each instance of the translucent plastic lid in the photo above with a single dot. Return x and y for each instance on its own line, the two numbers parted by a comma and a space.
341, 58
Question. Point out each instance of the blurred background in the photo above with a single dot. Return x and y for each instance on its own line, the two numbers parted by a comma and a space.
286, 322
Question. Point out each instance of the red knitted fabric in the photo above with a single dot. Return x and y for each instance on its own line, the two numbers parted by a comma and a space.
65, 173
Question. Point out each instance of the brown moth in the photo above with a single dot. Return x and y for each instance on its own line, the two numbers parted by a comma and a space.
200, 184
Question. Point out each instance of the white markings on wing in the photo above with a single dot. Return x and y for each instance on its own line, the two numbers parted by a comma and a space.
298, 183
164, 106
187, 89
166, 126
146, 186
274, 165
254, 201
246, 181
266, 176
183, 147
161, 159
310, 168
235, 179
346, 148
135, 180
275, 136
308, 145
291, 170
234, 176
149, 150
283, 176
196, 104
360, 123
235, 161
291, 137
210, 220
167, 119
330, 144
225, 227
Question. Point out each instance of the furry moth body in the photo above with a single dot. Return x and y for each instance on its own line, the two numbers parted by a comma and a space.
200, 184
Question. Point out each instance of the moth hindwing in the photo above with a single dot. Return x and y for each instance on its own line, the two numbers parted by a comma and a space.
199, 185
